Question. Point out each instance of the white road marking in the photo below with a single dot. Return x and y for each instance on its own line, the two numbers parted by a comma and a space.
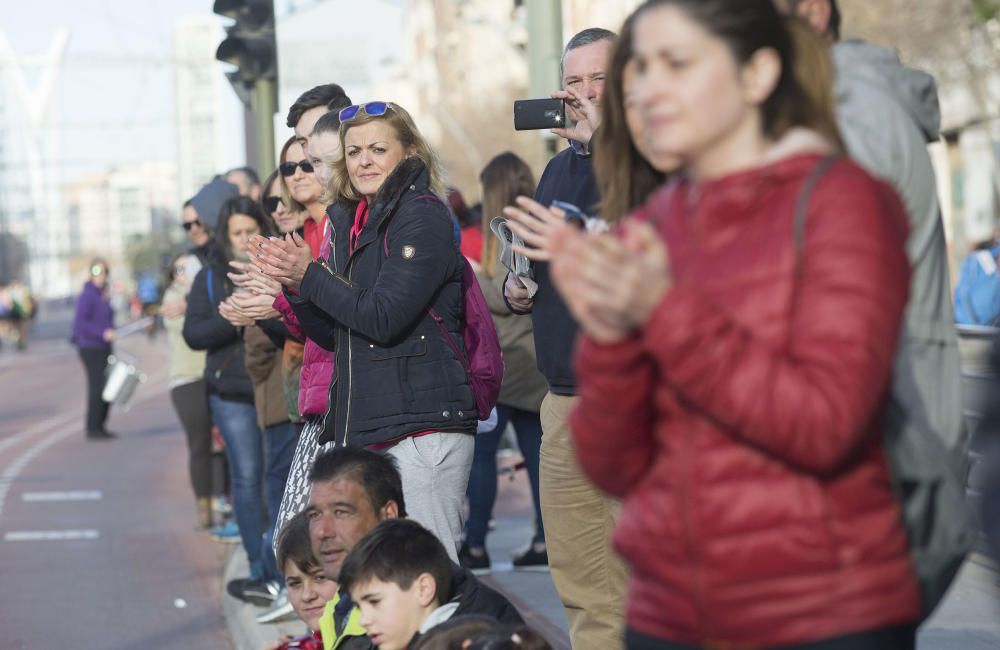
73, 495
11, 472
44, 425
50, 535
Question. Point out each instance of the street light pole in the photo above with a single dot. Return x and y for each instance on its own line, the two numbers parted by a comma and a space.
544, 52
265, 105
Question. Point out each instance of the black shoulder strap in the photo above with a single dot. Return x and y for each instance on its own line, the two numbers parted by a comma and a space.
802, 203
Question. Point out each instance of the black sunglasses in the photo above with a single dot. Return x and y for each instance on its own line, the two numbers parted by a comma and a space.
190, 224
287, 168
271, 203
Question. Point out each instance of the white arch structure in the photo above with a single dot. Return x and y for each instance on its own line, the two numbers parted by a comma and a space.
31, 113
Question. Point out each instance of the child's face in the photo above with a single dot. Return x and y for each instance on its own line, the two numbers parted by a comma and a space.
392, 615
308, 592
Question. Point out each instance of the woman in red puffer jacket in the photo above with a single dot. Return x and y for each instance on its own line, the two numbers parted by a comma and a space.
732, 382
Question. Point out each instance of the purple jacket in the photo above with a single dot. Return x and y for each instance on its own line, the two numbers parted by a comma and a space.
93, 316
317, 363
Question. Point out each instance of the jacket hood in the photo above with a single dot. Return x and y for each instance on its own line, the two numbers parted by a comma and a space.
209, 199
798, 141
868, 69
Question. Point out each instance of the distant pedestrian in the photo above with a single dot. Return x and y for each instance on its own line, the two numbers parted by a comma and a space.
187, 386
93, 334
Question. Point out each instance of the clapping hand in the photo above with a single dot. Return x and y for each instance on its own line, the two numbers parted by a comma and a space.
285, 260
229, 312
249, 278
537, 225
253, 306
612, 285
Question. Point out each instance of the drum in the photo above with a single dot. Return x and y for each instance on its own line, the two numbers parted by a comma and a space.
122, 380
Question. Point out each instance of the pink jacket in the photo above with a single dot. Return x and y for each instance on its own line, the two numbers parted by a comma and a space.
317, 363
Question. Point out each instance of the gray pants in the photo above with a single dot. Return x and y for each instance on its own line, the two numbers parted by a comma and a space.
435, 470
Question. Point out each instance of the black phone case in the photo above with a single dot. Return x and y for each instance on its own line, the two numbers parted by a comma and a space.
534, 114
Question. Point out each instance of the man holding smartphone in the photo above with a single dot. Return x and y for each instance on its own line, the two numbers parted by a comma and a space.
578, 518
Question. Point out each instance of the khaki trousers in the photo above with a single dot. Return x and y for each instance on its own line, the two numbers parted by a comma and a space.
590, 578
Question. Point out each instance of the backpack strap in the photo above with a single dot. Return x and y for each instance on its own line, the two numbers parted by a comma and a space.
802, 203
463, 357
209, 282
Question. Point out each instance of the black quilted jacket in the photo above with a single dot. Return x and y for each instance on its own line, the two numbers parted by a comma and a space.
394, 374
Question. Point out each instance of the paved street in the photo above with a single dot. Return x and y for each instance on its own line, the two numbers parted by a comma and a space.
97, 548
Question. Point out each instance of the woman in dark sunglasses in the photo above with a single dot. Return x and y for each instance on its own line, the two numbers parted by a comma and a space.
299, 186
389, 302
277, 207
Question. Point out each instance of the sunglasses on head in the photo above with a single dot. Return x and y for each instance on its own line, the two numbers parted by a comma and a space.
371, 108
271, 203
287, 168
188, 225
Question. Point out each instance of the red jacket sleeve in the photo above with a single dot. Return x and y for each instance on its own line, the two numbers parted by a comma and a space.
612, 424
288, 316
810, 403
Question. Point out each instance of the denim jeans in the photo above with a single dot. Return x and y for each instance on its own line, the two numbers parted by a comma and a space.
279, 443
237, 421
483, 479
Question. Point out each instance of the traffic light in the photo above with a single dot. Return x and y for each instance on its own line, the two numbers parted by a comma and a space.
250, 46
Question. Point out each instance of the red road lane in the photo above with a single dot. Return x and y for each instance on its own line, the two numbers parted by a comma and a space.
118, 590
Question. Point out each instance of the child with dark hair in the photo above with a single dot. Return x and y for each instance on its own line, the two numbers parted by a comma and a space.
308, 587
400, 577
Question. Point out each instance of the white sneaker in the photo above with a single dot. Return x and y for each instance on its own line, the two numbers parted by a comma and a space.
279, 610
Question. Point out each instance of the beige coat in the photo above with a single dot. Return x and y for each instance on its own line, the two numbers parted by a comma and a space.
523, 385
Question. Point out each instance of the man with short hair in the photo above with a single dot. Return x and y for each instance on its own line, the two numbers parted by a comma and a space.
310, 106
578, 518
246, 181
351, 490
887, 114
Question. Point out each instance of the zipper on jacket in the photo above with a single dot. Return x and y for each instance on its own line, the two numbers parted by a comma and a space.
329, 390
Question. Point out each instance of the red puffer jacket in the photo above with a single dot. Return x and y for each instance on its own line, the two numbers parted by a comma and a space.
743, 427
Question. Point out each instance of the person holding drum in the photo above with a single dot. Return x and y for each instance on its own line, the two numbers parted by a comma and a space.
93, 334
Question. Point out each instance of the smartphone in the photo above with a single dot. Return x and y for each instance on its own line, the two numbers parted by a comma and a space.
534, 114
574, 215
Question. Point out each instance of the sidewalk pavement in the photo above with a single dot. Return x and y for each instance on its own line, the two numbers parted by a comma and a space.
968, 619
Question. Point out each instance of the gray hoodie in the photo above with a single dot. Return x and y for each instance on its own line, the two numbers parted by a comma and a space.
888, 114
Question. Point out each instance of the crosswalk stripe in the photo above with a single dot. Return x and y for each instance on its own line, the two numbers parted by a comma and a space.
49, 535
72, 495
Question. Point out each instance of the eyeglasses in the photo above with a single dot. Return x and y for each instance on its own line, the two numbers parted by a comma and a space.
371, 108
271, 203
178, 270
97, 270
188, 225
287, 168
